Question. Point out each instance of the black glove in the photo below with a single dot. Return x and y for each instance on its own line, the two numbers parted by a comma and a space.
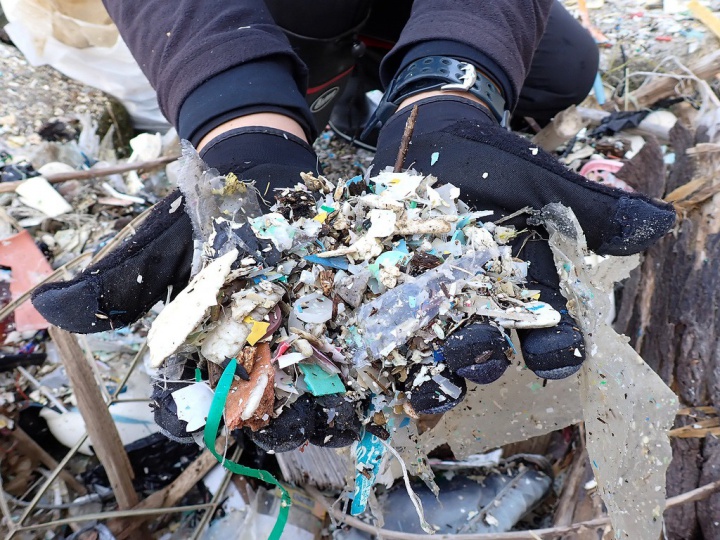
497, 170
110, 294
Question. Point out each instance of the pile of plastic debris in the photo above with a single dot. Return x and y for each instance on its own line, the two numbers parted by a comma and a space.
344, 289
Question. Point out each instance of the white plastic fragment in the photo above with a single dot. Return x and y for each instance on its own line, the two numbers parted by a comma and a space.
255, 397
228, 337
382, 223
542, 316
193, 404
37, 193
313, 308
182, 315
175, 205
447, 387
275, 228
397, 185
289, 359
123, 196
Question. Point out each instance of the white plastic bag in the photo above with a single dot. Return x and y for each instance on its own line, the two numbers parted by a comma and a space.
77, 38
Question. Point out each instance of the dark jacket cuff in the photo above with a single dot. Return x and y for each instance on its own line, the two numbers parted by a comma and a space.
264, 85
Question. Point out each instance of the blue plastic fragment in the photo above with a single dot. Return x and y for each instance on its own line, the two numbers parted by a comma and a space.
402, 246
387, 259
512, 345
599, 90
355, 179
434, 157
459, 236
339, 263
368, 456
462, 222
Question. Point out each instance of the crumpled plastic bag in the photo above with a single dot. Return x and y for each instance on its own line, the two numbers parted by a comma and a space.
77, 38
626, 407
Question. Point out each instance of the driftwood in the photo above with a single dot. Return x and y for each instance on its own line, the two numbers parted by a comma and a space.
670, 308
666, 86
563, 127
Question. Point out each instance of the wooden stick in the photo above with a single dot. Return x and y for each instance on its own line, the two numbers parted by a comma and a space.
171, 494
8, 187
704, 15
100, 426
35, 451
552, 532
571, 488
405, 141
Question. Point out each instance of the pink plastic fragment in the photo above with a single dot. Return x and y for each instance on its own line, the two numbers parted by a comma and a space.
28, 267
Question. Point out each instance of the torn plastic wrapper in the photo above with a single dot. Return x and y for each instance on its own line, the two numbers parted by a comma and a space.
214, 201
409, 307
626, 407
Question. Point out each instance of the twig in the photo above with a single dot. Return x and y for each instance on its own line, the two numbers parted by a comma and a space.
42, 389
4, 508
571, 487
8, 187
552, 532
661, 87
100, 516
405, 141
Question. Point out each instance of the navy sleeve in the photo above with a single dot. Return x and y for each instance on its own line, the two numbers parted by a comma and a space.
500, 35
183, 44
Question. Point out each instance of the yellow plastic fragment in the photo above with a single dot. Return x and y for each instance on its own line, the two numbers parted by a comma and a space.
259, 329
321, 217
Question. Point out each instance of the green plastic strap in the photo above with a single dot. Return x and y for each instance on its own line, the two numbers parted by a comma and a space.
214, 418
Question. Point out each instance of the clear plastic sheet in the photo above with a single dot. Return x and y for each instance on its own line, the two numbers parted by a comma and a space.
626, 407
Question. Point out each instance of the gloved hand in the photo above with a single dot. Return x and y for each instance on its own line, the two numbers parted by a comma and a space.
497, 170
109, 294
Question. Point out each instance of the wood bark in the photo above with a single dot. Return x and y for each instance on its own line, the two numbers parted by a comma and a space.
670, 309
